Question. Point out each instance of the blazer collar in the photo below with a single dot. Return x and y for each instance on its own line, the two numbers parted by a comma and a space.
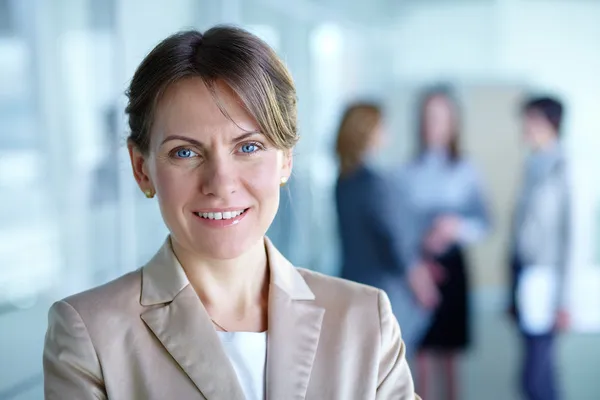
180, 322
163, 277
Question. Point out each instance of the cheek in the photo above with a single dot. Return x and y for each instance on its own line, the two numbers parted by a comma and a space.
261, 178
174, 185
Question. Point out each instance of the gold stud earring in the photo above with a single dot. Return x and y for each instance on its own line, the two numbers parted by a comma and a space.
284, 180
149, 193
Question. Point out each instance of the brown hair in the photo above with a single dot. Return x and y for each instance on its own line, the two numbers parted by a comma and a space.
231, 55
355, 134
445, 93
551, 109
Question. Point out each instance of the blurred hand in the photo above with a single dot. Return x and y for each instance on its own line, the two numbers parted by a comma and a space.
438, 273
443, 233
447, 227
423, 286
434, 243
563, 320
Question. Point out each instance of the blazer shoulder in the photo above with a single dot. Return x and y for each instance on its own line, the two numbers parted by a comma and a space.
333, 291
118, 295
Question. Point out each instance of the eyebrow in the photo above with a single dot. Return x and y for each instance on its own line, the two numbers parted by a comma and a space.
199, 144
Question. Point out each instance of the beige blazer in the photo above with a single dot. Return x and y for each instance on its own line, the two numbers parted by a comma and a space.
147, 336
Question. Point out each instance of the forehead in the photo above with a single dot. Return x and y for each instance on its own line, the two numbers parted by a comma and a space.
535, 117
533, 113
439, 103
189, 108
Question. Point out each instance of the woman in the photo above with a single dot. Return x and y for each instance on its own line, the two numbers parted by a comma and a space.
371, 218
219, 313
445, 195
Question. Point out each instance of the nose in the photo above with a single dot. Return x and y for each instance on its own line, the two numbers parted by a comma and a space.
218, 177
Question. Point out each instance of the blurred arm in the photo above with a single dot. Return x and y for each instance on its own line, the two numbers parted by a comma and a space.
71, 366
394, 378
387, 210
566, 237
476, 222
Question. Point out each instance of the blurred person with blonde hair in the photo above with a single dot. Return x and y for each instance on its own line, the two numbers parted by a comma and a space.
360, 133
445, 196
219, 313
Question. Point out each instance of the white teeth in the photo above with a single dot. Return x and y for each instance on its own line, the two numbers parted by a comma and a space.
223, 215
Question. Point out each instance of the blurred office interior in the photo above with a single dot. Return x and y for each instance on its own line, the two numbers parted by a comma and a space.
71, 216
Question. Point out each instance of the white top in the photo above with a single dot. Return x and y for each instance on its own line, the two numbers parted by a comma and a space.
537, 292
247, 352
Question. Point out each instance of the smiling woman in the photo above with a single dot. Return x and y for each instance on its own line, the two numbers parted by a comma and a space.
219, 313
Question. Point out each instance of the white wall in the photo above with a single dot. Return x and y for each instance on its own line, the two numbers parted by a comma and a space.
552, 45
443, 39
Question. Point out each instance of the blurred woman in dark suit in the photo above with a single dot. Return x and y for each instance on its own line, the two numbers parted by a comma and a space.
372, 218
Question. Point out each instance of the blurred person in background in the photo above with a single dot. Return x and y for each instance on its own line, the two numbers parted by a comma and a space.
371, 217
540, 247
219, 313
445, 195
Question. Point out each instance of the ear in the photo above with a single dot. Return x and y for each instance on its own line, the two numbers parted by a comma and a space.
140, 168
288, 163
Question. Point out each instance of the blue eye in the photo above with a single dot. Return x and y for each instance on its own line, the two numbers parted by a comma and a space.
249, 148
185, 153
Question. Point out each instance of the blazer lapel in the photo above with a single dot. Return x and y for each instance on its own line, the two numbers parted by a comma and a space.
294, 330
184, 328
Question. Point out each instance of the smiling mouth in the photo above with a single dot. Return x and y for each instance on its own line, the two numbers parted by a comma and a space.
221, 215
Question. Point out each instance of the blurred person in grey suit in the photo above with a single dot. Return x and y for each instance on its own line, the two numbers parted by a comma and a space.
541, 239
445, 196
372, 219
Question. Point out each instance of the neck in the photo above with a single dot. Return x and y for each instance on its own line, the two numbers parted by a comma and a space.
437, 152
548, 146
238, 284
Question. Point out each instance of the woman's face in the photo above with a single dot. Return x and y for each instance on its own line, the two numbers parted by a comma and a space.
378, 137
438, 122
217, 180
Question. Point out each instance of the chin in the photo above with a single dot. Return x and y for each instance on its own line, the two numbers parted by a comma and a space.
222, 251
213, 248
223, 245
